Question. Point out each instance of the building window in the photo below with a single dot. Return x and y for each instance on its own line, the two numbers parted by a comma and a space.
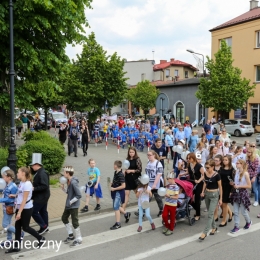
167, 73
176, 73
258, 39
186, 74
228, 41
180, 112
258, 73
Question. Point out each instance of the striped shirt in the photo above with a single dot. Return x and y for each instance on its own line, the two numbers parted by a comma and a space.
171, 189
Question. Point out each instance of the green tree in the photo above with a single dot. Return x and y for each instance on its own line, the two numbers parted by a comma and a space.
143, 95
224, 89
96, 79
42, 30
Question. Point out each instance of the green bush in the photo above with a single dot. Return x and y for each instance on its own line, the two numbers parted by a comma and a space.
3, 157
22, 157
41, 135
53, 155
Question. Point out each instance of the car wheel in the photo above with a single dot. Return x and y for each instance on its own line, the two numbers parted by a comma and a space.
248, 134
237, 133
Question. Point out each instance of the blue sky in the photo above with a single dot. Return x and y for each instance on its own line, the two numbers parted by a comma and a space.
133, 28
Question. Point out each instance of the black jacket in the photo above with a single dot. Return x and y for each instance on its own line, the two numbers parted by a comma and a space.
41, 192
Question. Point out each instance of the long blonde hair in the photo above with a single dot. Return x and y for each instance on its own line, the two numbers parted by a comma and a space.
244, 165
252, 157
156, 156
27, 171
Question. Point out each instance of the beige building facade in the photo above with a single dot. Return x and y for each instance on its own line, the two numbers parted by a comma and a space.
242, 34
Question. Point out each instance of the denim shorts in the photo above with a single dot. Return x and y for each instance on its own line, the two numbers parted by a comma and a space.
117, 201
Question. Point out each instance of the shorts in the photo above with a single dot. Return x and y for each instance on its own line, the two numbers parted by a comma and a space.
117, 201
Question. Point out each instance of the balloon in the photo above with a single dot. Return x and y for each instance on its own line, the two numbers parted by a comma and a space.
179, 149
63, 180
144, 179
162, 191
5, 168
174, 148
184, 155
145, 204
2, 184
126, 164
82, 188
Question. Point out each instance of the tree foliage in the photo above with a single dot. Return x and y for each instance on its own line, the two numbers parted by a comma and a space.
224, 90
42, 30
94, 80
143, 95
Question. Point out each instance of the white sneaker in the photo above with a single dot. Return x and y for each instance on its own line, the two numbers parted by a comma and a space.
255, 204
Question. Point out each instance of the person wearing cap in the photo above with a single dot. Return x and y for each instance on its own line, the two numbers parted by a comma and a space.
41, 193
177, 157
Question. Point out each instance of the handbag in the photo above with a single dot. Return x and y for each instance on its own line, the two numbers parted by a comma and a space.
9, 210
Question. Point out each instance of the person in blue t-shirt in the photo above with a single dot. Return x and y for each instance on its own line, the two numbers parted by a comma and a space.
115, 134
93, 185
209, 135
123, 140
153, 127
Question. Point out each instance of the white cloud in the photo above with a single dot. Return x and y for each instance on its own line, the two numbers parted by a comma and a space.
134, 28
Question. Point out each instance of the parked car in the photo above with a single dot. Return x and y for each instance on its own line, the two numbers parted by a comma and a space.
49, 123
257, 140
57, 118
236, 127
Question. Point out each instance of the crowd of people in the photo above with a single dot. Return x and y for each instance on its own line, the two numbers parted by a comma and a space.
218, 171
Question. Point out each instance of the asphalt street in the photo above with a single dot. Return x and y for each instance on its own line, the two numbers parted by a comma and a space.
99, 242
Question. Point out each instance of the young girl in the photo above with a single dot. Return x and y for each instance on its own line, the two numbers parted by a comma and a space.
240, 197
226, 148
143, 194
8, 204
93, 185
24, 210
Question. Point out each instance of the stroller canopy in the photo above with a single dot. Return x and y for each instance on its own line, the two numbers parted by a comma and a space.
187, 187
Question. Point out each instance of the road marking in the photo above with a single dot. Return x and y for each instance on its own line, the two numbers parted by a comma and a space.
242, 232
88, 241
164, 248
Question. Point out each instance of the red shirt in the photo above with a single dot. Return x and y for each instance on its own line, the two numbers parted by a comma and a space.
121, 122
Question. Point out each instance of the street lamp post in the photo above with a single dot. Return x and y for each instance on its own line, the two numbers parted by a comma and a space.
191, 51
12, 159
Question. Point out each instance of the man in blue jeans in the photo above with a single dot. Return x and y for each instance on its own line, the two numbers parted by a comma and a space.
41, 193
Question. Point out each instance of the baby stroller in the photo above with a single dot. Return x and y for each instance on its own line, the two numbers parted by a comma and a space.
184, 208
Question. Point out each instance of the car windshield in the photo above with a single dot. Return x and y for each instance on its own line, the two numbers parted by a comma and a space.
58, 116
245, 122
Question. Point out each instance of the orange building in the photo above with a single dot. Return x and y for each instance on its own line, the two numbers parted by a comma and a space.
242, 34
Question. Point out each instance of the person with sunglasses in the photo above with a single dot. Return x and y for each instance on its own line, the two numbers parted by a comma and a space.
255, 150
196, 174
224, 137
154, 170
240, 197
212, 191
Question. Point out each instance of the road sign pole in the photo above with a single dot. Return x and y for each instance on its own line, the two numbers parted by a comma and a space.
161, 112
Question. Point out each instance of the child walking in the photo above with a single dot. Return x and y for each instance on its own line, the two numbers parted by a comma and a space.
118, 192
143, 194
8, 205
169, 210
93, 185
71, 208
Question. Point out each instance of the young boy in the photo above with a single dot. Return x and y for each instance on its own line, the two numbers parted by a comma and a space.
169, 210
94, 178
118, 192
71, 207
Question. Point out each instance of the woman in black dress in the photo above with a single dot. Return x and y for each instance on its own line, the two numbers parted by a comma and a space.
62, 133
85, 137
226, 173
131, 175
196, 173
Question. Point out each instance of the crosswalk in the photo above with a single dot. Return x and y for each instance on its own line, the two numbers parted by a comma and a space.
122, 233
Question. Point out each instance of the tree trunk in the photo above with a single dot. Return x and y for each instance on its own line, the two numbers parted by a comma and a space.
4, 126
45, 118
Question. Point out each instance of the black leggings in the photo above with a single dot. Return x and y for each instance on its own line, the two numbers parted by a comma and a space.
85, 145
23, 223
196, 204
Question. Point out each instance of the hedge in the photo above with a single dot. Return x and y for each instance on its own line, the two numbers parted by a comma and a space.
3, 157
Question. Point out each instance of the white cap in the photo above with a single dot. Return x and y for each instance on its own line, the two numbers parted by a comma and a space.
182, 141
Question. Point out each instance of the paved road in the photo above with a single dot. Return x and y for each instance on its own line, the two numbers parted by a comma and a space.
126, 243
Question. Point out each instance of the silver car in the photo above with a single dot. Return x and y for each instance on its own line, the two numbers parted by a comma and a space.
257, 140
237, 127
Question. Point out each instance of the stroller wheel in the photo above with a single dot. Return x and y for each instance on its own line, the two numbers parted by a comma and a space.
192, 221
